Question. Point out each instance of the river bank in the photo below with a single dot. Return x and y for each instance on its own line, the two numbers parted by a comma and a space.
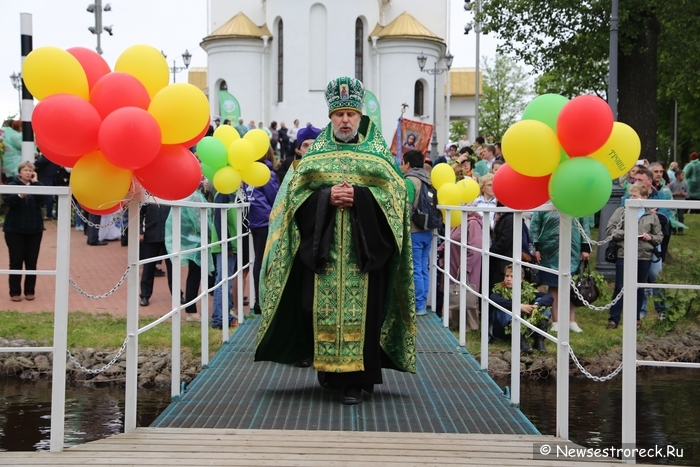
155, 365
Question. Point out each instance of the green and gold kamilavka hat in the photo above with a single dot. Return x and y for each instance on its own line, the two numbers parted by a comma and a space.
345, 93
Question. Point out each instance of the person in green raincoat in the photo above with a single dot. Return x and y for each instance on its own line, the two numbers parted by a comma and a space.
544, 233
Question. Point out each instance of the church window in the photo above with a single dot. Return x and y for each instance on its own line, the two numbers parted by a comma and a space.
359, 48
280, 61
418, 96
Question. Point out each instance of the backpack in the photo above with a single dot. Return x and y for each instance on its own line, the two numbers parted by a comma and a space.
426, 214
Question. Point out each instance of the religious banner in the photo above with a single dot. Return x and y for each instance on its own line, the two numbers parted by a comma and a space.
228, 107
372, 109
414, 135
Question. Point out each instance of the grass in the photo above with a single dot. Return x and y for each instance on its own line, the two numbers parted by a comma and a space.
101, 331
681, 266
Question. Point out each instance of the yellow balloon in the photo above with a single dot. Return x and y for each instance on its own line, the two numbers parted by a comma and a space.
470, 190
531, 148
147, 64
621, 151
226, 134
442, 174
260, 140
449, 194
257, 175
227, 180
50, 70
241, 154
455, 218
97, 183
181, 110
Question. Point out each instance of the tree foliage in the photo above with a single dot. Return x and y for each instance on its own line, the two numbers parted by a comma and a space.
457, 129
567, 42
506, 92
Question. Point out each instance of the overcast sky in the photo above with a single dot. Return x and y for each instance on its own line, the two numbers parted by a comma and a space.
168, 25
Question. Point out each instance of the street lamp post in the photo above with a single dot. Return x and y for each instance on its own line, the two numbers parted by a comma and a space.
434, 71
186, 58
17, 84
477, 31
97, 9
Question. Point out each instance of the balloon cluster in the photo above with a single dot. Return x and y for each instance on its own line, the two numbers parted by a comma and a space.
113, 126
451, 193
568, 151
227, 159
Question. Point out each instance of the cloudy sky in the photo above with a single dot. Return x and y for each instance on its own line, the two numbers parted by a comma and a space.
168, 25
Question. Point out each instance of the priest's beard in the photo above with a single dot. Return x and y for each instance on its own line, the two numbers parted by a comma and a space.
344, 136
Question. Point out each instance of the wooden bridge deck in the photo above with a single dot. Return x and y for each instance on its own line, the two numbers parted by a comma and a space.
197, 447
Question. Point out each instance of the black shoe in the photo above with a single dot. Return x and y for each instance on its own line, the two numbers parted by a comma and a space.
307, 362
159, 273
143, 301
539, 344
524, 346
352, 395
323, 381
98, 243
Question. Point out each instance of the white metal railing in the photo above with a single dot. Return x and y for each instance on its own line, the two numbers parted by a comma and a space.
176, 306
629, 360
60, 326
62, 274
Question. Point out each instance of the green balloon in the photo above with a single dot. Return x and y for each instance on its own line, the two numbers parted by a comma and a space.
580, 186
545, 109
209, 172
212, 152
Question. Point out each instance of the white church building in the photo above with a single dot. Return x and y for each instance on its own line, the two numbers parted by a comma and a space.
276, 57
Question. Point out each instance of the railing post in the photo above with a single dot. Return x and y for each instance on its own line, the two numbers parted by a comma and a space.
515, 308
629, 325
132, 317
485, 292
204, 282
239, 265
563, 303
464, 241
175, 301
60, 329
447, 280
225, 305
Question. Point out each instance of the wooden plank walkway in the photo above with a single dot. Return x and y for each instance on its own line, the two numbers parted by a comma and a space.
223, 447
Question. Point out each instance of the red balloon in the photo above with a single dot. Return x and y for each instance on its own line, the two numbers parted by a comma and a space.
60, 159
116, 90
104, 212
584, 125
174, 174
195, 140
67, 125
130, 138
519, 191
94, 65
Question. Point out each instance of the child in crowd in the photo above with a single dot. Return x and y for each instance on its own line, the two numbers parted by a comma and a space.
536, 308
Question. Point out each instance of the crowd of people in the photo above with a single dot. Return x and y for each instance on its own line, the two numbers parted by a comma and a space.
341, 262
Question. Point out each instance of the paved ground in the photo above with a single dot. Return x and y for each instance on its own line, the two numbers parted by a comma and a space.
95, 269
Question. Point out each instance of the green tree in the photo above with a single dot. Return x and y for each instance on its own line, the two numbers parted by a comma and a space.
506, 91
457, 129
568, 42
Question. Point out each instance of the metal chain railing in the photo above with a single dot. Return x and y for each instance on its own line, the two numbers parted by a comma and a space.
590, 240
104, 295
79, 366
600, 379
593, 307
117, 215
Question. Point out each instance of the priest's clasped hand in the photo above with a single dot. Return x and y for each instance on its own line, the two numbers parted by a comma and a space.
342, 195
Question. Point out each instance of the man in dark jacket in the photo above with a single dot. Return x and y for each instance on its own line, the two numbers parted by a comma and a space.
152, 238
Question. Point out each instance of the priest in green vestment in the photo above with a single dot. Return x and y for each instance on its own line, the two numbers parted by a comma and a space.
336, 285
